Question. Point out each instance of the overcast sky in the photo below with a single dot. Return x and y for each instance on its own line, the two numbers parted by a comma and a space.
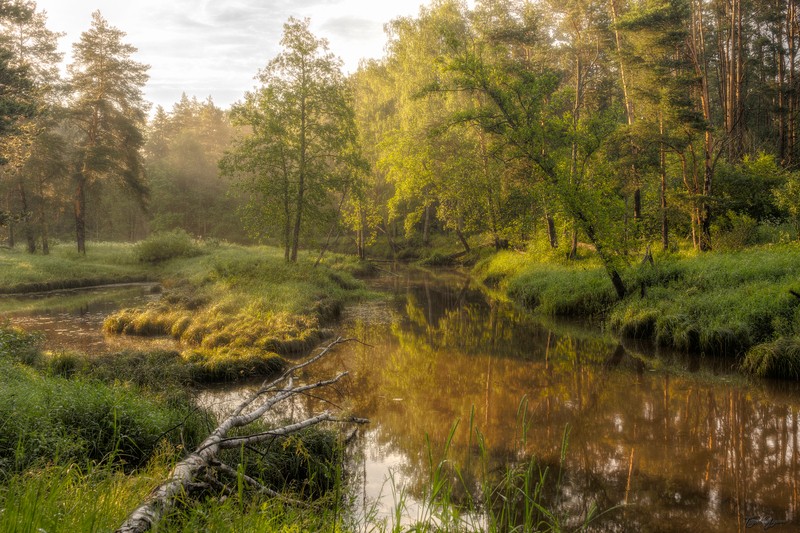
215, 47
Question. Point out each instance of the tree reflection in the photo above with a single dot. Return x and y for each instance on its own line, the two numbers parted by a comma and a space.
671, 449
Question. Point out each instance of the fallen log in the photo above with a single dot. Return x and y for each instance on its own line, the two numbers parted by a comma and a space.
197, 469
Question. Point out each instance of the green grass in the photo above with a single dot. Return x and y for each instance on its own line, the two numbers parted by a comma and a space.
65, 498
243, 301
777, 359
64, 268
52, 419
718, 303
579, 288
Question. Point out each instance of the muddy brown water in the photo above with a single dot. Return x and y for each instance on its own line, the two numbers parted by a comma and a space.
666, 442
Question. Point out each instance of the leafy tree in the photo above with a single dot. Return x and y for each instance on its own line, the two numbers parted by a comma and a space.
107, 113
301, 144
519, 105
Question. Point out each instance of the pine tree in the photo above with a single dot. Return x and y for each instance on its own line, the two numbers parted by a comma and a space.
107, 112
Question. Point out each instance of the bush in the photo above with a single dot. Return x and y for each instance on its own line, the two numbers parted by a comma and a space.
735, 231
305, 463
167, 245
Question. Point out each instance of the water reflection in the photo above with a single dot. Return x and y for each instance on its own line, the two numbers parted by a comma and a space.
674, 449
72, 320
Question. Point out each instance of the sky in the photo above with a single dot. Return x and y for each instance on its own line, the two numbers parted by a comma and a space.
216, 47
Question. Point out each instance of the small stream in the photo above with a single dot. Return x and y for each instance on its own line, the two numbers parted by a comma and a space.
668, 442
72, 320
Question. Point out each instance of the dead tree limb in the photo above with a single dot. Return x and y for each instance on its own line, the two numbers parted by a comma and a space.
204, 459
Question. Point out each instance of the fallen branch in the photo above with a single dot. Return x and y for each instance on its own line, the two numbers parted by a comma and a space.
204, 459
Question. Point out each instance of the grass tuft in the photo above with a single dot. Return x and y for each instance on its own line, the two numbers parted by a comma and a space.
777, 359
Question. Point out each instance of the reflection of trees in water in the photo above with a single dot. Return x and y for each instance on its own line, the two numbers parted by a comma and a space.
684, 451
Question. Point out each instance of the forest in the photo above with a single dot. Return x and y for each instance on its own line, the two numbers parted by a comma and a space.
507, 167
619, 125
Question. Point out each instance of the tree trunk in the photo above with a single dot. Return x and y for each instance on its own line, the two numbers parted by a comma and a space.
573, 249
10, 222
426, 225
463, 240
701, 70
551, 231
794, 95
80, 212
301, 182
362, 234
662, 169
27, 224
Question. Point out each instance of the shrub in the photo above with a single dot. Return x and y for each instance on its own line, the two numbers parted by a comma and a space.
167, 245
306, 463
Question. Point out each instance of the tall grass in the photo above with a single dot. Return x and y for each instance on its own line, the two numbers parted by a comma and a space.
553, 287
239, 304
524, 496
67, 498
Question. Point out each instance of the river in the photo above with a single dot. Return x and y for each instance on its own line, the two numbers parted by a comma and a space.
663, 441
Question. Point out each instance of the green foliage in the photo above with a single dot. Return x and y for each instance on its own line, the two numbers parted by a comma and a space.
787, 196
306, 464
734, 231
108, 111
181, 155
166, 245
303, 109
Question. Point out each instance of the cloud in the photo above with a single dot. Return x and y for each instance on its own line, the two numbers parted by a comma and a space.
351, 27
216, 47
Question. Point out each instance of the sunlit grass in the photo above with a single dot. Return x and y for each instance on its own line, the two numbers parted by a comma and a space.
235, 301
65, 268
716, 303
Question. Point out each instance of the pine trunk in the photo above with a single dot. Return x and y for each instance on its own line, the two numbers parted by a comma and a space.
80, 213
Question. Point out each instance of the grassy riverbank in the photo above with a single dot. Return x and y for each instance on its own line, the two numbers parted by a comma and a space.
79, 450
236, 310
736, 304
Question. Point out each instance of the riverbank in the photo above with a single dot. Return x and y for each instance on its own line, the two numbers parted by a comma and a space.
742, 305
237, 311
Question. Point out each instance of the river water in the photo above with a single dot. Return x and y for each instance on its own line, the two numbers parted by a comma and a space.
665, 442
